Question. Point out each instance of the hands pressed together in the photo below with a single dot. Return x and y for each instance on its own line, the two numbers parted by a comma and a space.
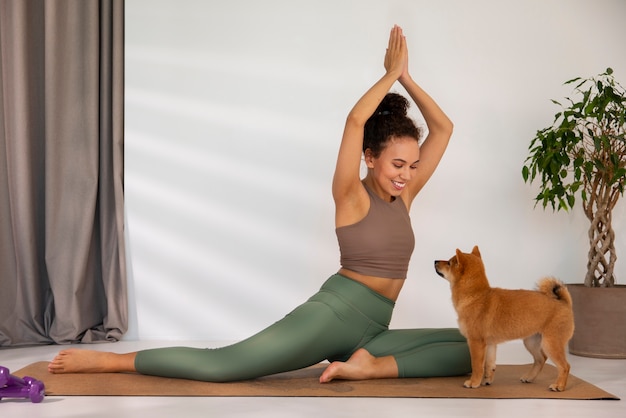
397, 55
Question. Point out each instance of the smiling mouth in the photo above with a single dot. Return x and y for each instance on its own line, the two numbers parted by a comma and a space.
398, 185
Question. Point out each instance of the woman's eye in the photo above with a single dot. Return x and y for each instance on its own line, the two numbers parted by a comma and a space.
397, 166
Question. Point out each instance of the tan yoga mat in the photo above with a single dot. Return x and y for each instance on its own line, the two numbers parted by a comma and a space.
304, 383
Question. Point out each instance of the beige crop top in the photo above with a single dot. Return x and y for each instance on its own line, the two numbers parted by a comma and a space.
380, 244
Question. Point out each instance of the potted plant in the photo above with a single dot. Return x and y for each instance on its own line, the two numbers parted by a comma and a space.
583, 154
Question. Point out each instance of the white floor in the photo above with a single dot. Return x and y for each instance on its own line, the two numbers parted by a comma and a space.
609, 375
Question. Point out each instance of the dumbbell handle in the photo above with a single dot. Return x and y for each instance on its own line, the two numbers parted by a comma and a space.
7, 379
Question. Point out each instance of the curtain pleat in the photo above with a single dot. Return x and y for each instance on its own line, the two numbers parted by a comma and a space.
62, 263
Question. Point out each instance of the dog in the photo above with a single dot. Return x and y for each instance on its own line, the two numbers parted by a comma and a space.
487, 316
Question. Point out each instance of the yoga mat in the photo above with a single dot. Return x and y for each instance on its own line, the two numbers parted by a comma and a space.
304, 383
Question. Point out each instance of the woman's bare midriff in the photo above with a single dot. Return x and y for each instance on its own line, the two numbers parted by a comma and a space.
389, 288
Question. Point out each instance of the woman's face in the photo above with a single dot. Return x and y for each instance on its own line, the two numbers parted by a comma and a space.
394, 168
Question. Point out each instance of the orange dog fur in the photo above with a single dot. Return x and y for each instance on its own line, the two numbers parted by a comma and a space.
488, 316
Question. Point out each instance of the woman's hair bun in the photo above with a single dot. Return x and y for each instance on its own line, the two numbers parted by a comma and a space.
393, 103
389, 120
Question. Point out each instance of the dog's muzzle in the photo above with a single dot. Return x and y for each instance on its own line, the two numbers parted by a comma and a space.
437, 270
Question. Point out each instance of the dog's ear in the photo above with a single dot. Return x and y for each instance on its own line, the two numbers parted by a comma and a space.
460, 261
476, 251
459, 257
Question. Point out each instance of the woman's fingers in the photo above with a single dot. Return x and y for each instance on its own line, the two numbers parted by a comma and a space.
395, 58
395, 37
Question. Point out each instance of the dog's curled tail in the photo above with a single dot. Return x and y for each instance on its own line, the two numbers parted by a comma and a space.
554, 288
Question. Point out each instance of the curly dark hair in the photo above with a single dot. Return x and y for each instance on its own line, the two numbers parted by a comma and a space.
389, 121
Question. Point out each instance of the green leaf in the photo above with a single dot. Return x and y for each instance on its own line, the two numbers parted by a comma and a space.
614, 159
597, 143
599, 164
571, 200
620, 173
572, 80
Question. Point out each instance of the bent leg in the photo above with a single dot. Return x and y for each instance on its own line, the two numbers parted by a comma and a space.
424, 352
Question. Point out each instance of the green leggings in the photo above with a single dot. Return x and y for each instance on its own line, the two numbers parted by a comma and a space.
341, 318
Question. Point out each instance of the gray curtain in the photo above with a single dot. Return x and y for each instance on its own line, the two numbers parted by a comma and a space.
62, 264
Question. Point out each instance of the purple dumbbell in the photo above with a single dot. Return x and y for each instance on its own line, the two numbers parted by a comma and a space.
15, 387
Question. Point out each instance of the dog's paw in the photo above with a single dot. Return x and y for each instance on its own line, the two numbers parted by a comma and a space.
526, 379
556, 388
468, 384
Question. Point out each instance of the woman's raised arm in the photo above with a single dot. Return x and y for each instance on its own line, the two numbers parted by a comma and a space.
346, 181
439, 132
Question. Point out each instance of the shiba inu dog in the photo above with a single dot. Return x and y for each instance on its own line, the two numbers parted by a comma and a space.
488, 316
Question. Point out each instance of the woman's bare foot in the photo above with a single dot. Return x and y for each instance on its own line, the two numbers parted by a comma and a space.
360, 366
89, 361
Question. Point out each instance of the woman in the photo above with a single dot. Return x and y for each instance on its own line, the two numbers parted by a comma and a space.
347, 321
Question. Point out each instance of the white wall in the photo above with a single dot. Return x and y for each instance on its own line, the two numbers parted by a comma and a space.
234, 113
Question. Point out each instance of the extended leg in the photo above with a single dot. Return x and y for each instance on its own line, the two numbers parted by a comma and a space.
331, 324
305, 337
